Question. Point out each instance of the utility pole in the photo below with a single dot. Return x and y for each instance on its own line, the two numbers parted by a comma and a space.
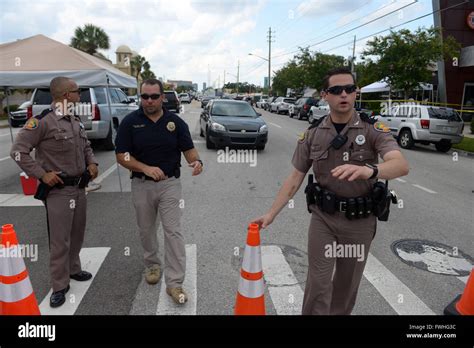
353, 54
238, 70
223, 86
269, 60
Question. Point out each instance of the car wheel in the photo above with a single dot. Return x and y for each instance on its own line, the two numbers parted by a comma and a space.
261, 147
201, 133
310, 117
443, 146
405, 139
109, 144
209, 143
300, 117
290, 114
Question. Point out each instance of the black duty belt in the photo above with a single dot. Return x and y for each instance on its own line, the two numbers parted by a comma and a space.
145, 177
71, 180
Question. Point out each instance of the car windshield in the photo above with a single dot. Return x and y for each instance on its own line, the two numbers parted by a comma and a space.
233, 109
170, 96
444, 114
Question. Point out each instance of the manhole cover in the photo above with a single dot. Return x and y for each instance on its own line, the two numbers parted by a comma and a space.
433, 257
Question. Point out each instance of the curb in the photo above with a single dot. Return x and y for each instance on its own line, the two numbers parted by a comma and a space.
462, 153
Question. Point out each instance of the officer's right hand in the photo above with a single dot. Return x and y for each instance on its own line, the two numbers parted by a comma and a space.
51, 179
154, 172
263, 221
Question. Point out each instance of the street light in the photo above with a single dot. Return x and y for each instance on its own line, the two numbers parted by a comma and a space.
269, 68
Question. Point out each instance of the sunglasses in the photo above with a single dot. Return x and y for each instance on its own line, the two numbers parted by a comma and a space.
152, 96
336, 90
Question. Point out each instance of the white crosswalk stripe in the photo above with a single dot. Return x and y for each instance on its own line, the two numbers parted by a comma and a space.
91, 259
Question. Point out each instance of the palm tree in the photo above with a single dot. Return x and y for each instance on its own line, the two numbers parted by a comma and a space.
138, 63
90, 38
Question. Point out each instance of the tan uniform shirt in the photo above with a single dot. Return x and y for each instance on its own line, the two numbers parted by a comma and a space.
365, 142
61, 145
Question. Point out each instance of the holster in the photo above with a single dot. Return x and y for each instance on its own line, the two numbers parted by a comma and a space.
42, 191
382, 197
85, 178
309, 191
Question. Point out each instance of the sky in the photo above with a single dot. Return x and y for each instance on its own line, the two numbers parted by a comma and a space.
199, 40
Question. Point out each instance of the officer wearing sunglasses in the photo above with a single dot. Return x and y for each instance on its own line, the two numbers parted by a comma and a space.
149, 143
342, 148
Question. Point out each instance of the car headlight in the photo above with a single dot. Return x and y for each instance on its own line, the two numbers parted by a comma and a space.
263, 129
217, 127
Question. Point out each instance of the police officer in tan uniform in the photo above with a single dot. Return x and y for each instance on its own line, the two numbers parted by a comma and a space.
343, 151
63, 160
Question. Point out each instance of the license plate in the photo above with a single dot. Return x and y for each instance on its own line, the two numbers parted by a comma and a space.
449, 129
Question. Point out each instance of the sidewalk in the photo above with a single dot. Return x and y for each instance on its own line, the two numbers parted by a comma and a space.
3, 123
467, 130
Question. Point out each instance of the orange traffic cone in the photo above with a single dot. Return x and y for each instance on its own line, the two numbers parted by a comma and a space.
16, 293
463, 304
250, 296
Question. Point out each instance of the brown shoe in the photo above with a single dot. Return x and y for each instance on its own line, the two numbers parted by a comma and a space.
152, 274
178, 295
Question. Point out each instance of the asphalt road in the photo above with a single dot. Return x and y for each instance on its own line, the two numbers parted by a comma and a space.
218, 205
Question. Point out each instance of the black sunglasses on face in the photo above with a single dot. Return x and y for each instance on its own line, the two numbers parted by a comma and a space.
152, 96
336, 90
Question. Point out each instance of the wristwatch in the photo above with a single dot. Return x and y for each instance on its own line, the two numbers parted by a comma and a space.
374, 168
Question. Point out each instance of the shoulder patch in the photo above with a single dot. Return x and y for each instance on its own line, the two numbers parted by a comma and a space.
302, 136
31, 124
379, 126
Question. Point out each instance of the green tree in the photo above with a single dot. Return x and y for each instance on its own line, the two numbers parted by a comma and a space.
403, 57
147, 73
90, 38
137, 64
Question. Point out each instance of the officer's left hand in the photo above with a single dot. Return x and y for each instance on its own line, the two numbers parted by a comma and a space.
93, 171
351, 172
197, 167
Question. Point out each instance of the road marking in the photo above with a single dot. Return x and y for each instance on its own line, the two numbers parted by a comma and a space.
4, 158
3, 135
401, 180
18, 200
275, 124
105, 174
282, 284
463, 279
91, 260
424, 188
166, 306
390, 287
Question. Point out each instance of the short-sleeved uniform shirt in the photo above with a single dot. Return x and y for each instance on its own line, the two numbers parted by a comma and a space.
60, 142
157, 144
365, 143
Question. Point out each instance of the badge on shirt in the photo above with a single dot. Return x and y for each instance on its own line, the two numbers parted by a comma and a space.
31, 124
360, 140
81, 125
138, 125
381, 127
171, 126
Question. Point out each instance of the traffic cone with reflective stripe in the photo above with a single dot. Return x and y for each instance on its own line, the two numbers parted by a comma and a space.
463, 304
250, 296
16, 293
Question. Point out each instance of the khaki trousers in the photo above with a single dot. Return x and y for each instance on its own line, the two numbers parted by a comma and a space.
160, 200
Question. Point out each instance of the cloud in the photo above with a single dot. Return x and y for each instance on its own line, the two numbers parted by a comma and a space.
243, 28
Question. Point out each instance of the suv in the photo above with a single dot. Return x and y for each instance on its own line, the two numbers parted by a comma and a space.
319, 110
99, 121
301, 107
281, 105
185, 98
413, 123
171, 101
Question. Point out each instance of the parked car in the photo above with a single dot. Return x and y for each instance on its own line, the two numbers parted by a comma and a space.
261, 103
413, 123
319, 110
281, 105
231, 122
301, 107
19, 117
204, 101
171, 101
269, 101
99, 121
185, 98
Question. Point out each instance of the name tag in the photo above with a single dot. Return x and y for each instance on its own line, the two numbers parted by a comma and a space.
138, 125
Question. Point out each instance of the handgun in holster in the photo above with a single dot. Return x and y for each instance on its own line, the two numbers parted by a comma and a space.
309, 191
42, 191
85, 178
382, 197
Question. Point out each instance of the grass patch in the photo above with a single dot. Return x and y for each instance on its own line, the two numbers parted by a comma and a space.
467, 144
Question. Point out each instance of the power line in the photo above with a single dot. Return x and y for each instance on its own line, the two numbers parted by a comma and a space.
347, 31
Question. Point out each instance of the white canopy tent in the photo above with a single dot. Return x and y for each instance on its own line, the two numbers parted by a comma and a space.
33, 62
